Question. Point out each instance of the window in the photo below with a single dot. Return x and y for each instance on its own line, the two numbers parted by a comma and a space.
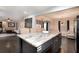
28, 23
68, 25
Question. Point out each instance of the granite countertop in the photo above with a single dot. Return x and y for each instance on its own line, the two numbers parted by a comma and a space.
37, 39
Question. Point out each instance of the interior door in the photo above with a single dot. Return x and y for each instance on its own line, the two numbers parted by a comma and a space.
59, 27
77, 36
0, 24
62, 27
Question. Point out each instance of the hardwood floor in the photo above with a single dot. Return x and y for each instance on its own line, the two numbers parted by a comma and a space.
68, 45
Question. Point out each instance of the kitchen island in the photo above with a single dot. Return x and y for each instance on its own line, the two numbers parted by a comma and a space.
40, 42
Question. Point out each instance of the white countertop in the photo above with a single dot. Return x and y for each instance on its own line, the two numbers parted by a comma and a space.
37, 39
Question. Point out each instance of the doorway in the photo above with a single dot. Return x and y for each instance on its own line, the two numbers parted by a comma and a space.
59, 26
68, 44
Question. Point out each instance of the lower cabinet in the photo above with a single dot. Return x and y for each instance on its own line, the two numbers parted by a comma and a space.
56, 44
9, 44
28, 48
51, 46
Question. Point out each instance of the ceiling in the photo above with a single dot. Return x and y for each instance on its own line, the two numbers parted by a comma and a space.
18, 12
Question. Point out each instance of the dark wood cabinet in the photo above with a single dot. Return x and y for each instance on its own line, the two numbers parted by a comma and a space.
51, 46
9, 44
28, 48
56, 45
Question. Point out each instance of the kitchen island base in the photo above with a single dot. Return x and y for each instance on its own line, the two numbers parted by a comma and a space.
51, 46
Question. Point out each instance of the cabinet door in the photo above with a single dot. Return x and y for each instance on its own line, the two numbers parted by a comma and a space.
56, 44
28, 48
45, 47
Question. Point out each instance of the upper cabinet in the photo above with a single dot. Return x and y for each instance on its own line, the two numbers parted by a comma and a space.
28, 23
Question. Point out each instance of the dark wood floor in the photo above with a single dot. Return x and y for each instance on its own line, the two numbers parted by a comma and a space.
68, 45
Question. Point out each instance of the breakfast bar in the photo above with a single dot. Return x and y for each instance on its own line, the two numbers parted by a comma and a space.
40, 42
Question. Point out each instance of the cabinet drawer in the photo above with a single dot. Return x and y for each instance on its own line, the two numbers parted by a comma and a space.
28, 48
45, 46
56, 44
